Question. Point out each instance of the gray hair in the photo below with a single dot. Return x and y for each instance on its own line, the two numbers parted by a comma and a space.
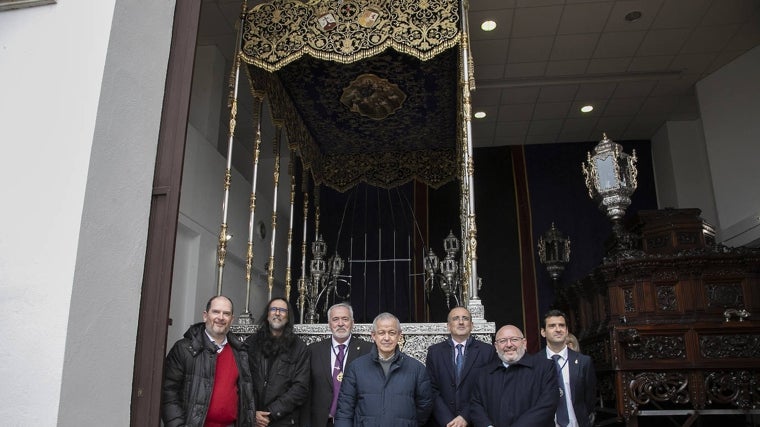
341, 304
384, 316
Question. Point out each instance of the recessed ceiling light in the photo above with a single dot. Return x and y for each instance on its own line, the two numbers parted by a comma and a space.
480, 114
634, 15
587, 108
488, 25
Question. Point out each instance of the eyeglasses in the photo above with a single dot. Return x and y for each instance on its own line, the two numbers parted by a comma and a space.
511, 340
274, 310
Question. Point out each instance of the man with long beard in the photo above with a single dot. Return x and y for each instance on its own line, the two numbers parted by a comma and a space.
279, 367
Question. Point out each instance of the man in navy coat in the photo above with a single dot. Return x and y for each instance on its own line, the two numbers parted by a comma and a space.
453, 366
385, 387
578, 376
519, 391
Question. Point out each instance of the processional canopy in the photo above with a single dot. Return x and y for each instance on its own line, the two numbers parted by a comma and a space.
367, 90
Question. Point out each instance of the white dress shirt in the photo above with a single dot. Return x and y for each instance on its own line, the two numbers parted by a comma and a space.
566, 380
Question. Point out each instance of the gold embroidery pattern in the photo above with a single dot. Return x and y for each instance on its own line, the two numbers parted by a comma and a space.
281, 31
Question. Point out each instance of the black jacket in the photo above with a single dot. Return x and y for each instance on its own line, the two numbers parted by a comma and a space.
281, 386
189, 378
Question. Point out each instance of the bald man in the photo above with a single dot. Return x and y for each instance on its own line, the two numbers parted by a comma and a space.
520, 390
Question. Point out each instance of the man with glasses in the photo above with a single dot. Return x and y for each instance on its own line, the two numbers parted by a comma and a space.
385, 387
453, 366
574, 370
519, 390
329, 359
279, 367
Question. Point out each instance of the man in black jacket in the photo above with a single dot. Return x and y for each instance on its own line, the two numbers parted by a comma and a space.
279, 367
208, 354
329, 358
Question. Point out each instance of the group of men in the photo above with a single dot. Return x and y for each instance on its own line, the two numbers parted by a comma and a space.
213, 379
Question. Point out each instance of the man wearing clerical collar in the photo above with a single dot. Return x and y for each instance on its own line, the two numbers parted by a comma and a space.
329, 359
394, 388
518, 390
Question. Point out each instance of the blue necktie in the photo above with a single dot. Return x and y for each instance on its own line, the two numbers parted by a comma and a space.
563, 419
459, 361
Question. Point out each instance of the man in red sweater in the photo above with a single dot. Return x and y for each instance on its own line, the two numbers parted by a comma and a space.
208, 354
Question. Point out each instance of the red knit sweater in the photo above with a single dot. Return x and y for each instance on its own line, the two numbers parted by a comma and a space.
223, 408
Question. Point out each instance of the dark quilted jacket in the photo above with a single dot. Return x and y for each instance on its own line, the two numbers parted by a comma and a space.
189, 380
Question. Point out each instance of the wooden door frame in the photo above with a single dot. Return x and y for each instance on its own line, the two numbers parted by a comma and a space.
150, 348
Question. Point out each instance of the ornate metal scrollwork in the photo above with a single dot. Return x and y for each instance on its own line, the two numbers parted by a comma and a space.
659, 387
737, 388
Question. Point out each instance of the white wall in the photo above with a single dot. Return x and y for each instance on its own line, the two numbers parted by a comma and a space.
682, 170
729, 102
96, 385
51, 62
664, 177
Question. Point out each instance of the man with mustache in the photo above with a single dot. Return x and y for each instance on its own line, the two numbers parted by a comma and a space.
208, 354
279, 367
519, 391
329, 359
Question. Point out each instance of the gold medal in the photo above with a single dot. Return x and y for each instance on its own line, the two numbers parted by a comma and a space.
340, 377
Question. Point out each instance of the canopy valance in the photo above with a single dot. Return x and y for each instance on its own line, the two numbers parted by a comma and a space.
365, 89
279, 32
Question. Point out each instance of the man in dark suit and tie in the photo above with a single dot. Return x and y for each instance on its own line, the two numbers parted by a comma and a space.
575, 374
329, 359
453, 366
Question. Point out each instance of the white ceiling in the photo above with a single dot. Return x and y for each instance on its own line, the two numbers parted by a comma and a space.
547, 58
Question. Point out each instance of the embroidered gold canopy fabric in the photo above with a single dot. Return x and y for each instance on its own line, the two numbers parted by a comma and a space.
366, 89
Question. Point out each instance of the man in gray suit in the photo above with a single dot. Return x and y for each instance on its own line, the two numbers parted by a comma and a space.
329, 359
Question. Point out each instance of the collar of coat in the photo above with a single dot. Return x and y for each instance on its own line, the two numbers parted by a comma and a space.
199, 341
376, 356
528, 361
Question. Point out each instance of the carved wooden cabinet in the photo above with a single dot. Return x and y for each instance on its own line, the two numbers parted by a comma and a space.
675, 327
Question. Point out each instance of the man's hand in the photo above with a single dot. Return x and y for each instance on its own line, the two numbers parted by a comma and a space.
262, 419
457, 422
